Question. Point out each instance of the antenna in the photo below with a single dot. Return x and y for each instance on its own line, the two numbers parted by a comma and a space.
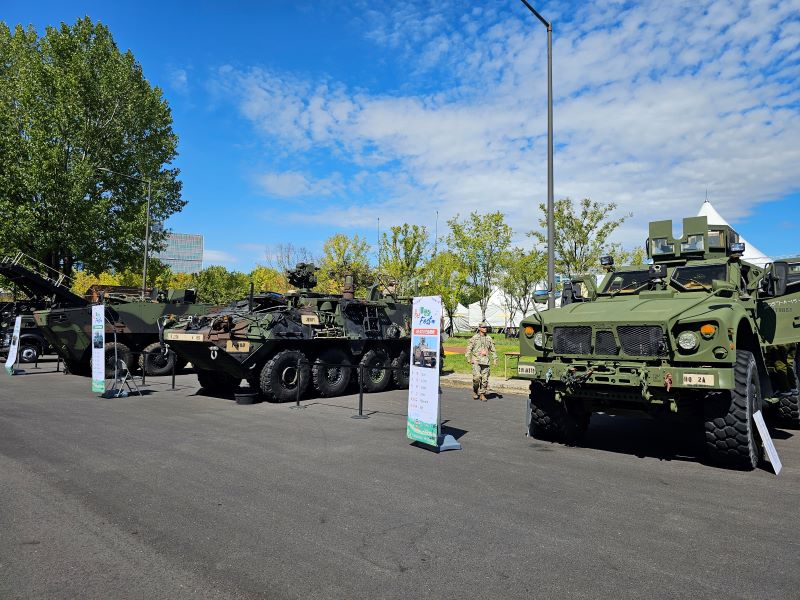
706, 193
379, 244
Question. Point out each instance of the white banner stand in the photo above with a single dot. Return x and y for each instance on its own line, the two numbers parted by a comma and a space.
13, 350
424, 393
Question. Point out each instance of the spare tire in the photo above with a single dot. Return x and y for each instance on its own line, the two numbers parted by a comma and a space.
154, 361
331, 381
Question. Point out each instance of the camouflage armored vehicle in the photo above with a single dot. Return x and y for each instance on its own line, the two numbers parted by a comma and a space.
290, 340
700, 334
134, 321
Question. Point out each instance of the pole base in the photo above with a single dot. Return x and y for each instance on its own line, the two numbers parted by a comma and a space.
447, 442
359, 417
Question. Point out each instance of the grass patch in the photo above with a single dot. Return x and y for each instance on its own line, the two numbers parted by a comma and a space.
456, 363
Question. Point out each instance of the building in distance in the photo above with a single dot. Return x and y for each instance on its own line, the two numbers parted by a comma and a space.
183, 253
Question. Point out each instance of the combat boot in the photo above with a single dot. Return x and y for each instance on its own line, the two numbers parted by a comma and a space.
474, 393
483, 398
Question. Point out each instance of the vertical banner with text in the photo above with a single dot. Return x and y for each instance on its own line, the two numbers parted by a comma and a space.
14, 348
98, 348
423, 383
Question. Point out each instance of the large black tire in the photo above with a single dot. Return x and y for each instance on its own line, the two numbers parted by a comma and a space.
731, 438
281, 377
548, 419
28, 353
788, 408
376, 377
154, 361
331, 381
400, 373
218, 382
123, 353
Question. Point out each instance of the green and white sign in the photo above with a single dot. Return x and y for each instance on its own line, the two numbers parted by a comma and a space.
98, 348
14, 348
423, 382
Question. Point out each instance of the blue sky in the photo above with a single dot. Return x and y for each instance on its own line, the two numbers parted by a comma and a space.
298, 120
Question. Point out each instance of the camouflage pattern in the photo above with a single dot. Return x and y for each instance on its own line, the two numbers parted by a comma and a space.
663, 338
279, 343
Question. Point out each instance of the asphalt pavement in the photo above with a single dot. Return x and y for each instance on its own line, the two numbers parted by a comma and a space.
177, 494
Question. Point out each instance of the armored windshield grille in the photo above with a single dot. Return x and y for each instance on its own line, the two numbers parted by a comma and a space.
572, 340
605, 344
641, 340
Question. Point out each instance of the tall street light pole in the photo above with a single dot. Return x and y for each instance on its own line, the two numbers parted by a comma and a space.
551, 277
146, 225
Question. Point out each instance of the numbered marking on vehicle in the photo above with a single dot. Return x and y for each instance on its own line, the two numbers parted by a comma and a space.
309, 319
183, 337
526, 370
698, 379
232, 346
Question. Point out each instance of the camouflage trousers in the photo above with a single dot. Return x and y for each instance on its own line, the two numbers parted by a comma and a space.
480, 378
780, 363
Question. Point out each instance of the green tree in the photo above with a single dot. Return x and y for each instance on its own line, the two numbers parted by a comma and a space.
634, 256
401, 255
266, 279
70, 104
282, 257
444, 275
480, 243
523, 272
581, 234
342, 255
217, 285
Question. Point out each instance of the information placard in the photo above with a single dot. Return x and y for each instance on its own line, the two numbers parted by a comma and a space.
423, 383
14, 348
98, 348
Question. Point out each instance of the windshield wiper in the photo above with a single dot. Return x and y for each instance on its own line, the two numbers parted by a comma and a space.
629, 286
689, 280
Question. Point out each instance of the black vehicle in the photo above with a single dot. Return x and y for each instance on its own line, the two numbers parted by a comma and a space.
32, 343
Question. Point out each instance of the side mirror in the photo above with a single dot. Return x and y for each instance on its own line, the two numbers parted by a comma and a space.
780, 276
725, 288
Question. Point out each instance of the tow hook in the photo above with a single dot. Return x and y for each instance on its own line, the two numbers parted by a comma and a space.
571, 380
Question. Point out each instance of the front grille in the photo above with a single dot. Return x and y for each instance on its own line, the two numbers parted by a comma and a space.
605, 344
641, 340
572, 340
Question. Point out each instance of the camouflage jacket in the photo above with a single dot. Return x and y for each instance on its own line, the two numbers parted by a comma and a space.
479, 347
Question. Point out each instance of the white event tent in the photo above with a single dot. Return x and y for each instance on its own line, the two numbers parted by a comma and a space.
751, 253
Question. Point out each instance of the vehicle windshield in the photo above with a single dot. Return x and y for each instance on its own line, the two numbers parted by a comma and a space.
698, 277
626, 282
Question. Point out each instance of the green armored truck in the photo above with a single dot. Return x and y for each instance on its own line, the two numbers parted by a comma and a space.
281, 343
699, 333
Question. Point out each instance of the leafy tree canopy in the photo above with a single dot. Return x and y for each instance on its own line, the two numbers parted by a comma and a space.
70, 104
581, 234
401, 255
341, 256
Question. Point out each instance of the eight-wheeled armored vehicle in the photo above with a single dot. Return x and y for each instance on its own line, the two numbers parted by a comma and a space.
280, 343
699, 333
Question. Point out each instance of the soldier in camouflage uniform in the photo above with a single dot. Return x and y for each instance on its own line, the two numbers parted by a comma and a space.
478, 349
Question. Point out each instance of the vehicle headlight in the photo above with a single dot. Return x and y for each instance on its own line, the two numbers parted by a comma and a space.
687, 340
538, 339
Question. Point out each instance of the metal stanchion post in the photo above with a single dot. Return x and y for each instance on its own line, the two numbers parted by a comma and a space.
297, 381
144, 368
58, 364
174, 362
360, 414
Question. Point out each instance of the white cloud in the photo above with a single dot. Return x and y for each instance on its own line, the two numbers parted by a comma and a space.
655, 103
179, 80
215, 257
291, 184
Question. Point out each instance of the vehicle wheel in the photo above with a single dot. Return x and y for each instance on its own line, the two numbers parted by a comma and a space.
376, 378
788, 408
400, 376
154, 361
218, 382
548, 419
28, 353
123, 353
281, 377
331, 381
730, 431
